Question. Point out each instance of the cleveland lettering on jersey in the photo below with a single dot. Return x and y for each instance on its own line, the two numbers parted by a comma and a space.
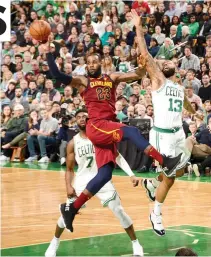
85, 150
101, 83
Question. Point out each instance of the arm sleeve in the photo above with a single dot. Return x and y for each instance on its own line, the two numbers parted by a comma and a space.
124, 165
62, 77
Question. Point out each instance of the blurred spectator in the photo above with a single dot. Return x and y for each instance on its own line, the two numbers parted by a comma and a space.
10, 93
6, 116
119, 107
107, 65
131, 112
124, 101
19, 99
191, 79
160, 37
165, 51
44, 136
133, 100
207, 110
205, 90
159, 13
190, 61
165, 25
13, 128
191, 96
4, 100
193, 26
53, 94
200, 144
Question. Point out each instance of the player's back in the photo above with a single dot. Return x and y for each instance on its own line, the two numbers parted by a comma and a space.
168, 105
100, 97
85, 157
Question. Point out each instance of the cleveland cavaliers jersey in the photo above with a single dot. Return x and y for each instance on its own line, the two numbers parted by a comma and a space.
100, 98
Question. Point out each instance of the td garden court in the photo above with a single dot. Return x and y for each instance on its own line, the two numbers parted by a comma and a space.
30, 208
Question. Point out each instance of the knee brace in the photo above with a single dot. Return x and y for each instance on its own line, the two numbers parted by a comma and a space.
116, 207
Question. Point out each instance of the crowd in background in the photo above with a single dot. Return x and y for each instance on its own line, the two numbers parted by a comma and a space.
38, 109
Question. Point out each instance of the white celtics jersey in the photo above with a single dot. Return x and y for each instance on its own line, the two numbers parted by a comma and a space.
85, 157
168, 105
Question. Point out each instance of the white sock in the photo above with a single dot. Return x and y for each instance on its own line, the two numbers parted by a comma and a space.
56, 238
157, 208
136, 247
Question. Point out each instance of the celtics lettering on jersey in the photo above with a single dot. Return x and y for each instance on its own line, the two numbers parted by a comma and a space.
84, 154
168, 105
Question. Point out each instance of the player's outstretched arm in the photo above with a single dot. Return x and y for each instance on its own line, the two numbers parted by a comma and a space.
155, 74
69, 175
118, 77
120, 160
78, 82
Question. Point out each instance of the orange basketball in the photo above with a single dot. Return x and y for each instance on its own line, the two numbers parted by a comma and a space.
40, 30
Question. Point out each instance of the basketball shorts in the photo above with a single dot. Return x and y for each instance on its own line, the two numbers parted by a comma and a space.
171, 144
106, 194
104, 135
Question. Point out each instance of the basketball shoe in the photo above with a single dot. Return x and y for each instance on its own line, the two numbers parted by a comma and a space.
169, 164
157, 225
150, 188
68, 213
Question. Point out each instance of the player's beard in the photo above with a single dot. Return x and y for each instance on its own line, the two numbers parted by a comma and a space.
82, 128
97, 73
169, 73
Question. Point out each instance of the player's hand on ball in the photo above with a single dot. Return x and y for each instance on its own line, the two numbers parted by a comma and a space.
134, 180
44, 48
71, 192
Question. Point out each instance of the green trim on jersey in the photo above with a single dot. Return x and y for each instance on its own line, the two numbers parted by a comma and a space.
173, 130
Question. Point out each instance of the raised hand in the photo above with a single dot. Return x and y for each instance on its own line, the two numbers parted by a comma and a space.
45, 48
136, 19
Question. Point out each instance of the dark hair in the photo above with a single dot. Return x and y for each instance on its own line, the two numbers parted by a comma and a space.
196, 105
189, 47
80, 110
192, 71
149, 106
186, 252
30, 121
55, 102
154, 40
2, 114
94, 54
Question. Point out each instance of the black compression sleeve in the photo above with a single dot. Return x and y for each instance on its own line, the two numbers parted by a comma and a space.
62, 77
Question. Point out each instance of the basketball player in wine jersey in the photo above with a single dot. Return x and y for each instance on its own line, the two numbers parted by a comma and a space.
98, 92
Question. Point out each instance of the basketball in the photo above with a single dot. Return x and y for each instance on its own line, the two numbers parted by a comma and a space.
40, 30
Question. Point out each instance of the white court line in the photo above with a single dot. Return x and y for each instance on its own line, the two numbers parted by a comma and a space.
195, 241
188, 234
174, 249
78, 238
193, 232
